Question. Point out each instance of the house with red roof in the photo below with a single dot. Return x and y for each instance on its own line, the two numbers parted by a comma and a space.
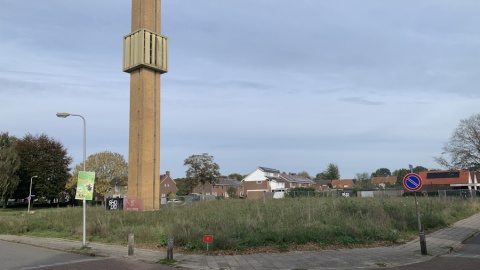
454, 179
342, 184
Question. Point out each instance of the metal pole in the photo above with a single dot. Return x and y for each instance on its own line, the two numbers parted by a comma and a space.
30, 194
64, 115
84, 229
418, 214
84, 242
421, 233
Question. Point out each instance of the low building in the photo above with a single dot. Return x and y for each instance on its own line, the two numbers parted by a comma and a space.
220, 188
446, 180
167, 185
294, 180
383, 181
264, 182
343, 184
323, 185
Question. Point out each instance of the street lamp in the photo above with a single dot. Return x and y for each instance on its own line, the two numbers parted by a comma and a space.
30, 194
65, 115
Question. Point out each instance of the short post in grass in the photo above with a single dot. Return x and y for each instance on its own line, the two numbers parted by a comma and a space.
131, 244
170, 248
207, 239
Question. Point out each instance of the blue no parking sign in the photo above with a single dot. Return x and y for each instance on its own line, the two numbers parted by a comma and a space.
412, 182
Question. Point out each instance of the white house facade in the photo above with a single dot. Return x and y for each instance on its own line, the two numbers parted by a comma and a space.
262, 182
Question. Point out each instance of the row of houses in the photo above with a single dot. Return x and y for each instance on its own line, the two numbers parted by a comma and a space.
265, 180
256, 184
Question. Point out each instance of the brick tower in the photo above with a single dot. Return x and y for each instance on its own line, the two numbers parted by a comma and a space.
145, 57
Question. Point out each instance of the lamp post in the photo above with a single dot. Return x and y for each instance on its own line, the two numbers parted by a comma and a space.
65, 115
30, 194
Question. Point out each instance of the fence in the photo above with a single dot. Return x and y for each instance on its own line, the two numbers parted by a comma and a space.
465, 193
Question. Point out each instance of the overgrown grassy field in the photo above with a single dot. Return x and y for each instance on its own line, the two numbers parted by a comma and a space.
241, 225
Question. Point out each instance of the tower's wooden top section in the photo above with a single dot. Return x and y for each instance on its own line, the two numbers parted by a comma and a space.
145, 47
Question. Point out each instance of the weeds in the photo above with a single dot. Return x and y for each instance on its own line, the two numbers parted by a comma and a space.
245, 224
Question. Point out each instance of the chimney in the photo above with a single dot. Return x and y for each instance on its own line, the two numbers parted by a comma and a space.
167, 173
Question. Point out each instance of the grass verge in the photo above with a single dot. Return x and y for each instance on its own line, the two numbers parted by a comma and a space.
245, 225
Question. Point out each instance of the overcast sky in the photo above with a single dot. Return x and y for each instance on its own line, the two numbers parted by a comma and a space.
292, 85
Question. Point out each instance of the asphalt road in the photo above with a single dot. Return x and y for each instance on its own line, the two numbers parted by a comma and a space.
465, 258
15, 256
109, 264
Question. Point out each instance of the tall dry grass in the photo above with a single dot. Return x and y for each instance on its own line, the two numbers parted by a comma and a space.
245, 224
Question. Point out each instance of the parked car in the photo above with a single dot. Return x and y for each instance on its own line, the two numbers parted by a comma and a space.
175, 201
193, 199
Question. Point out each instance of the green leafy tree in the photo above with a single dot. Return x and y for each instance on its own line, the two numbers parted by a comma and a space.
9, 165
109, 168
330, 173
182, 188
235, 176
382, 172
400, 174
419, 169
46, 158
201, 170
463, 147
304, 174
231, 191
361, 177
363, 182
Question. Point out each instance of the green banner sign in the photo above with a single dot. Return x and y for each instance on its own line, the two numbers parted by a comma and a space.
86, 181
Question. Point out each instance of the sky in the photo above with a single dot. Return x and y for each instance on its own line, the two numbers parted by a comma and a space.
289, 85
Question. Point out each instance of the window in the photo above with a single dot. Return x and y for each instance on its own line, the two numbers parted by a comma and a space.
443, 175
259, 182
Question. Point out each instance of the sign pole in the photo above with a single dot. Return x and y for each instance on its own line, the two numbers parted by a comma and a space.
413, 182
208, 239
421, 233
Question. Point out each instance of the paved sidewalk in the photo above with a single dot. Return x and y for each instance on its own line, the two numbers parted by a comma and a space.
438, 243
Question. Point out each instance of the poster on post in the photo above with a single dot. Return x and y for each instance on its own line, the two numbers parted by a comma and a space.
86, 181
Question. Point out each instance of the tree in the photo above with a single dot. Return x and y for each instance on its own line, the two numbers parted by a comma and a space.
46, 158
330, 173
110, 169
201, 170
304, 174
362, 177
400, 174
382, 172
419, 169
235, 176
182, 188
463, 147
231, 191
363, 182
9, 165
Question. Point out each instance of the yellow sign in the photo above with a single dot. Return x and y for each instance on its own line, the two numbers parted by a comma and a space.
86, 181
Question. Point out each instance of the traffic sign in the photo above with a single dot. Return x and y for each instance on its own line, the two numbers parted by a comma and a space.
412, 182
207, 238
